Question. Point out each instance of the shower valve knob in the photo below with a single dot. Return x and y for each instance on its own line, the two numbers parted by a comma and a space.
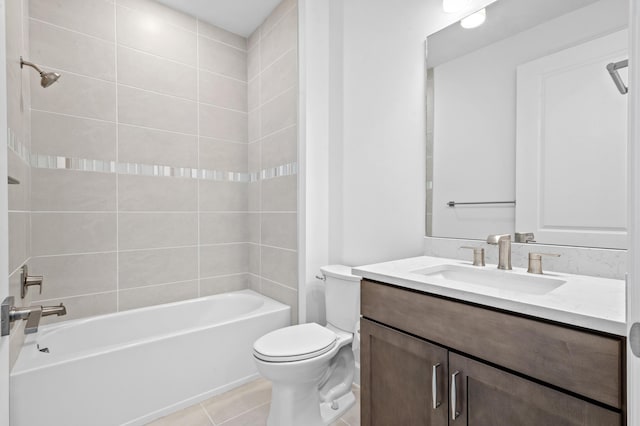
29, 280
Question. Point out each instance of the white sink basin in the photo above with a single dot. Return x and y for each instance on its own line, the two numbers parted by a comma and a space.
491, 278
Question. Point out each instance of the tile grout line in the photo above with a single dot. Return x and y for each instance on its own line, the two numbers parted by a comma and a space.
243, 413
206, 413
117, 124
198, 219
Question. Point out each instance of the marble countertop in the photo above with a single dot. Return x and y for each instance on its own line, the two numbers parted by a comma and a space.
584, 301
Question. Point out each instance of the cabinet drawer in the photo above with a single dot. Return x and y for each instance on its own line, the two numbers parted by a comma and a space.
586, 363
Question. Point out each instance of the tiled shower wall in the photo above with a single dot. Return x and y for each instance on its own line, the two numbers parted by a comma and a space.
141, 183
273, 88
17, 44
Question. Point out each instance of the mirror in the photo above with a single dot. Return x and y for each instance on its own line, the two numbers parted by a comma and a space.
525, 123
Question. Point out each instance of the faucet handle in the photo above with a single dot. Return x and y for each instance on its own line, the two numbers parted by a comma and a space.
535, 262
478, 255
29, 280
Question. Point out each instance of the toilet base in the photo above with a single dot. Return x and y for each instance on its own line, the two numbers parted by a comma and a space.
329, 415
308, 409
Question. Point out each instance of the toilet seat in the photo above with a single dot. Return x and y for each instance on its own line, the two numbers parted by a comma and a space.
295, 343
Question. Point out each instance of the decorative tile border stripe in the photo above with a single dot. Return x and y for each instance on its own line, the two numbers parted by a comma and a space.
42, 161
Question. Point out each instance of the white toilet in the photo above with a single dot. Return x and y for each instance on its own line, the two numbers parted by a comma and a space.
312, 367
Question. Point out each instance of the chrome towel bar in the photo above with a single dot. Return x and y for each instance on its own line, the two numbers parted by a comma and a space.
457, 203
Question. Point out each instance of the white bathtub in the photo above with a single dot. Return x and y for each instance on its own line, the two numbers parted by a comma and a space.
134, 366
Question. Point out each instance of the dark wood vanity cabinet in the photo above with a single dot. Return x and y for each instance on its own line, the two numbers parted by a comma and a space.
484, 367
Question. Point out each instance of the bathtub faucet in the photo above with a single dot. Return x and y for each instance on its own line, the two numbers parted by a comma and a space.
58, 310
31, 314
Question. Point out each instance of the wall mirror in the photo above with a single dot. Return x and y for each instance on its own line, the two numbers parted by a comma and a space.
525, 123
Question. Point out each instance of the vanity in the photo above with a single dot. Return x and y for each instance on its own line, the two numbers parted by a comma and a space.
445, 342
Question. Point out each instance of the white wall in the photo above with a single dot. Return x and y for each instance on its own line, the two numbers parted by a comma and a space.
362, 135
474, 146
382, 204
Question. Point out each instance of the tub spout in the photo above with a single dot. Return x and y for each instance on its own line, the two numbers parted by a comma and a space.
58, 310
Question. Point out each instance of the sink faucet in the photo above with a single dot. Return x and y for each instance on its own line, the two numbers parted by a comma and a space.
504, 249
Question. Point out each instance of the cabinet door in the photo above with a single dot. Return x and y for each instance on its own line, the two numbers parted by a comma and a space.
485, 396
398, 374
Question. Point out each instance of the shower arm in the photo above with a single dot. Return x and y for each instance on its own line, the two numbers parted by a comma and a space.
613, 68
30, 64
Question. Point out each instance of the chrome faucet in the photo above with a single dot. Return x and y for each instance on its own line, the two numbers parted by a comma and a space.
504, 249
32, 314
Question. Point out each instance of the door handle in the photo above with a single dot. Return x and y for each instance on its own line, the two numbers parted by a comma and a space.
454, 396
434, 386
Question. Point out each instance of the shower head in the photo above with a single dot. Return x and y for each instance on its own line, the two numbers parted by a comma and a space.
46, 78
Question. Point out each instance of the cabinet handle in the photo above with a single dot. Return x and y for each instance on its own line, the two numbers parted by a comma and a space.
434, 385
454, 395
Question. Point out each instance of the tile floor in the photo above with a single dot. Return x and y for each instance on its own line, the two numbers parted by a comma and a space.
247, 405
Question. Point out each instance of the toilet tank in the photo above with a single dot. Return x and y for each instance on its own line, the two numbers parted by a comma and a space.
342, 297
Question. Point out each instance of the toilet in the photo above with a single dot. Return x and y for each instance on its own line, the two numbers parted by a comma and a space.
312, 367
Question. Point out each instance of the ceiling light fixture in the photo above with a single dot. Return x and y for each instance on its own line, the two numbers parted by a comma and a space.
453, 6
474, 20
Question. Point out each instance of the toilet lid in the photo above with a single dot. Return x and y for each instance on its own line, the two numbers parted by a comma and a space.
294, 343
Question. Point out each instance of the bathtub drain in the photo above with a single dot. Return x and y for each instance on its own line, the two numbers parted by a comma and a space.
45, 350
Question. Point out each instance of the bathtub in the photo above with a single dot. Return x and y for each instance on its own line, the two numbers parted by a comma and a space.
131, 367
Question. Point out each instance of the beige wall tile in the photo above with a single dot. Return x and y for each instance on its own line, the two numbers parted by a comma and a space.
83, 306
71, 190
221, 155
253, 63
253, 132
150, 146
65, 233
222, 59
279, 113
144, 193
279, 230
279, 265
254, 227
224, 36
280, 148
56, 134
148, 267
162, 12
254, 259
157, 294
253, 196
223, 91
255, 165
222, 196
146, 32
157, 230
253, 94
217, 285
149, 109
19, 236
282, 294
279, 194
71, 275
217, 228
279, 76
54, 47
76, 95
19, 196
254, 283
145, 71
94, 17
280, 39
225, 259
277, 15
253, 39
222, 123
